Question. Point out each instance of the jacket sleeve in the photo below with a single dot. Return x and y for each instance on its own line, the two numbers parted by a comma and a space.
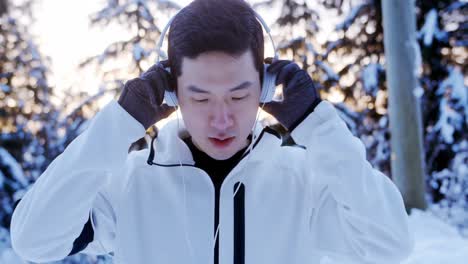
356, 211
53, 212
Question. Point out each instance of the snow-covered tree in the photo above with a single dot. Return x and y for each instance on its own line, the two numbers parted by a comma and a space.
445, 107
349, 70
354, 52
35, 124
348, 67
128, 58
143, 20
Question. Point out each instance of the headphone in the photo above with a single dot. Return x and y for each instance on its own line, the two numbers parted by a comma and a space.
268, 86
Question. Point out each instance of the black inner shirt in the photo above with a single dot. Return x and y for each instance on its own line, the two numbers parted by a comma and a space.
217, 170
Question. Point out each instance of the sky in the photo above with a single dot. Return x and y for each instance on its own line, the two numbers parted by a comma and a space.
64, 34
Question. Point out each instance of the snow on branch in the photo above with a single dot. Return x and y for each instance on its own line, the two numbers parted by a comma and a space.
6, 160
430, 29
353, 14
370, 78
452, 105
330, 73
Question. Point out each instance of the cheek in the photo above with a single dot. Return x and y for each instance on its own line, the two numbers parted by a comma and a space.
196, 128
246, 115
194, 120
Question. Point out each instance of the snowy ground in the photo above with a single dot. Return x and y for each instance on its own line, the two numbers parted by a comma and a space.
436, 243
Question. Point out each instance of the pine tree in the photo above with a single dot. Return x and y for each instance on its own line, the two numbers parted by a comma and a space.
350, 66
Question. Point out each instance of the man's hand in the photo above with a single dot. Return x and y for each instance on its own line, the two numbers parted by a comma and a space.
142, 97
299, 94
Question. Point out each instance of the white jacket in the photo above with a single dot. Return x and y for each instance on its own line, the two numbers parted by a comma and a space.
320, 203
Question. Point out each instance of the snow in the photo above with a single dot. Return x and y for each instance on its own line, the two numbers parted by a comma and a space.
10, 257
311, 49
333, 45
34, 52
138, 52
36, 72
177, 5
370, 78
452, 181
144, 12
455, 96
430, 29
445, 124
457, 86
456, 5
7, 255
330, 74
15, 168
418, 91
110, 11
436, 241
5, 88
348, 21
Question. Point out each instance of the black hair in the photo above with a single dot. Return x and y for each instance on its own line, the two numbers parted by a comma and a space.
228, 26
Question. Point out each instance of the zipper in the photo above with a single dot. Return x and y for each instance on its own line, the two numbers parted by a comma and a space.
239, 224
216, 221
239, 201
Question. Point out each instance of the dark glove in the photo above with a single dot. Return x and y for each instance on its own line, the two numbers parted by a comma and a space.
142, 97
299, 94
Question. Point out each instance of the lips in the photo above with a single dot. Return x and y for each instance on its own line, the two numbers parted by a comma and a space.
221, 143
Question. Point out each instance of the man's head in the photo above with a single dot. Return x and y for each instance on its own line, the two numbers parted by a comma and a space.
216, 54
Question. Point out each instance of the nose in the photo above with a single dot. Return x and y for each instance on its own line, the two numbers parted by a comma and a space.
221, 119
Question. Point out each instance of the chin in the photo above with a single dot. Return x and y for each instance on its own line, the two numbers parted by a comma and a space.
221, 155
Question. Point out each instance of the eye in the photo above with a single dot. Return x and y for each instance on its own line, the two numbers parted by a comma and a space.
239, 98
200, 100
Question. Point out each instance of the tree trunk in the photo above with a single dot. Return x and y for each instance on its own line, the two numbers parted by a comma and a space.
402, 63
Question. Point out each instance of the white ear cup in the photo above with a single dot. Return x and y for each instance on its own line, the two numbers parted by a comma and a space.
268, 87
170, 98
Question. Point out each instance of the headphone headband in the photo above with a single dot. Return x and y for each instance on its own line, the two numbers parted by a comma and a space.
269, 80
168, 25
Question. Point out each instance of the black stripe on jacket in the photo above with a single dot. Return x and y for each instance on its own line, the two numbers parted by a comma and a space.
239, 224
86, 237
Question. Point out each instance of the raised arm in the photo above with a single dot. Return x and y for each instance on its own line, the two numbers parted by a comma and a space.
70, 205
357, 210
53, 212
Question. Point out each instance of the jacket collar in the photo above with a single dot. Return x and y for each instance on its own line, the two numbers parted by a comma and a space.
169, 149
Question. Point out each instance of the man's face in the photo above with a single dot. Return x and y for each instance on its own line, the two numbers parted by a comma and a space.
218, 96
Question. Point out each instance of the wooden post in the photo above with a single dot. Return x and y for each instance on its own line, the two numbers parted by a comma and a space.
401, 56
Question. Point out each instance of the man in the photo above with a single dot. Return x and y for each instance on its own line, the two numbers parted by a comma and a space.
213, 190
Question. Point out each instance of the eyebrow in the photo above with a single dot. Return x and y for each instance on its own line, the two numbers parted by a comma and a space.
243, 85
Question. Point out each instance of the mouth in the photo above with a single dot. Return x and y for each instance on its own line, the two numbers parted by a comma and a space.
221, 143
